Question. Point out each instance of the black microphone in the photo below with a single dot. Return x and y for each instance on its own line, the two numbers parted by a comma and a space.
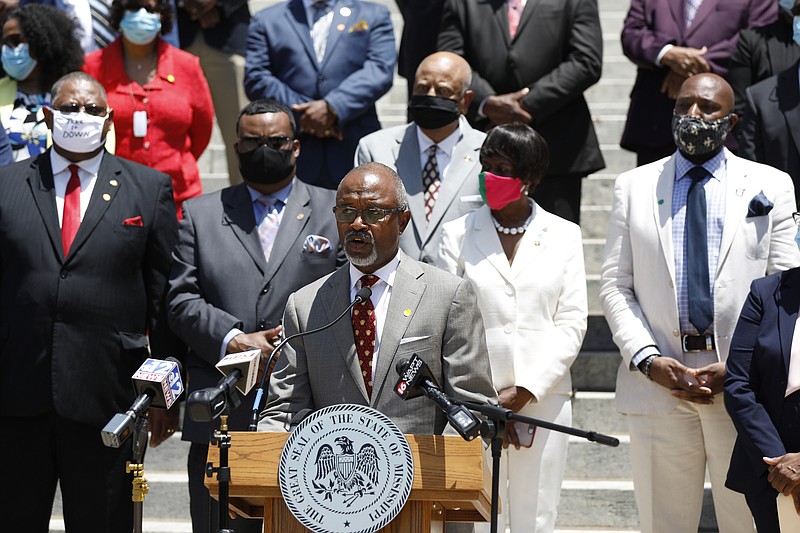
416, 379
362, 295
157, 384
205, 405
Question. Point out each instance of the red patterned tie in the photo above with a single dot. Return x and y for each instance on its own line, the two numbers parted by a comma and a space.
72, 209
364, 325
514, 15
430, 181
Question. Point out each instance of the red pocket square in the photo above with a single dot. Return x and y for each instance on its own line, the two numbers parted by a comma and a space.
133, 221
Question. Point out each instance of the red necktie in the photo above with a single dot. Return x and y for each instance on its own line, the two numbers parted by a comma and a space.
515, 8
72, 209
364, 325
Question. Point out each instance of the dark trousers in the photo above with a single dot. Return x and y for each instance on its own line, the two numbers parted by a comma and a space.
204, 509
561, 195
40, 451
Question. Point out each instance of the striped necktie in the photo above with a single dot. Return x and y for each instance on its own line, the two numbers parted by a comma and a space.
102, 31
321, 28
691, 10
268, 226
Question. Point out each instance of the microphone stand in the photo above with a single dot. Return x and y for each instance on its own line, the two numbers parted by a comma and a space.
223, 471
494, 428
136, 466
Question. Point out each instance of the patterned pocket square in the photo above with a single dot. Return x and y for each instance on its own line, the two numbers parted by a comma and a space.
133, 221
759, 206
315, 244
359, 26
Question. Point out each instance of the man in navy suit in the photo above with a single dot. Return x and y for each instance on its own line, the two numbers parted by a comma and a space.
330, 60
84, 256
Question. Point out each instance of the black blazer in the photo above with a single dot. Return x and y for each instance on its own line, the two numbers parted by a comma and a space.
72, 329
556, 53
220, 280
771, 125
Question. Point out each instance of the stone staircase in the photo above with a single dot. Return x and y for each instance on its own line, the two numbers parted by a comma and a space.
597, 493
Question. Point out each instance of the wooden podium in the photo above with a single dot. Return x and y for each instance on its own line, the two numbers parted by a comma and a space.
450, 483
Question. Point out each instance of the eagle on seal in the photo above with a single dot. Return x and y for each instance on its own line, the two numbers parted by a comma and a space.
353, 472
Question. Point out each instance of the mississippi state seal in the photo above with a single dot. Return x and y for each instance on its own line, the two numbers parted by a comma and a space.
346, 469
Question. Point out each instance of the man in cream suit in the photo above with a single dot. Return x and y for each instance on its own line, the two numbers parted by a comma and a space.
438, 145
686, 237
417, 308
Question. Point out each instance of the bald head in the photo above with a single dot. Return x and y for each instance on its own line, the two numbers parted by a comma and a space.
705, 87
77, 78
449, 65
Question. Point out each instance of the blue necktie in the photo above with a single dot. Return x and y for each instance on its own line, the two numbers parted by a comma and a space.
701, 308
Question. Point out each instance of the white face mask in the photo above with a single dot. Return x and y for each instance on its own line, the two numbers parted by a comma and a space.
79, 133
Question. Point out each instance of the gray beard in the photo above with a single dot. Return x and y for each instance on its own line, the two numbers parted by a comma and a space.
362, 261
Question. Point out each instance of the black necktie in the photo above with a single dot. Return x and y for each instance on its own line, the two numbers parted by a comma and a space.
701, 308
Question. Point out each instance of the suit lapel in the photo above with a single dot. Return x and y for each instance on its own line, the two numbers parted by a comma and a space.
678, 10
102, 196
345, 15
534, 241
737, 196
788, 300
788, 95
238, 215
462, 161
500, 14
703, 12
662, 210
40, 179
409, 167
488, 243
296, 16
406, 294
335, 295
294, 219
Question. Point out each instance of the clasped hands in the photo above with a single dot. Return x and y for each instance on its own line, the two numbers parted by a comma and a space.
698, 385
507, 108
514, 398
317, 118
683, 62
784, 476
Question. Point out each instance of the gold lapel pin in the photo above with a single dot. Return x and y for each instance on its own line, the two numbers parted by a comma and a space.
113, 183
407, 312
170, 78
467, 158
300, 216
340, 27
106, 197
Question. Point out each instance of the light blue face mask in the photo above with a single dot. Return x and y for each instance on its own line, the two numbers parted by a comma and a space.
786, 4
17, 62
797, 237
796, 30
140, 27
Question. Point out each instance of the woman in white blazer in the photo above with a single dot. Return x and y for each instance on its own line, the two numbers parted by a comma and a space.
527, 267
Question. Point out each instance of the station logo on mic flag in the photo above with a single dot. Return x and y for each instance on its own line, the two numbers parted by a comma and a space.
165, 374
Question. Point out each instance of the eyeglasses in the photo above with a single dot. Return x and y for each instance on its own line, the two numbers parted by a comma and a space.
90, 109
248, 144
372, 215
796, 217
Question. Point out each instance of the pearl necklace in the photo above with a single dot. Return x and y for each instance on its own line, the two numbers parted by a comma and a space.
513, 231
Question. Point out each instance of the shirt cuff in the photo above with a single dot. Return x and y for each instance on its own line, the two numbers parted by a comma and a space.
228, 338
663, 51
643, 354
480, 108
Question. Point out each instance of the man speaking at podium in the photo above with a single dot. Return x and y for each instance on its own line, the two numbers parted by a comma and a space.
414, 308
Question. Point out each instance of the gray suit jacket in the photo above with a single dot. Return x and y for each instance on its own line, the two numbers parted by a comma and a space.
398, 148
431, 313
220, 280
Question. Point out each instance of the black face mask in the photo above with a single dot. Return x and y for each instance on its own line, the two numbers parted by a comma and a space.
265, 165
432, 112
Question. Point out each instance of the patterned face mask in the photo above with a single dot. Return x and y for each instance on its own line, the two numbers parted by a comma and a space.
696, 136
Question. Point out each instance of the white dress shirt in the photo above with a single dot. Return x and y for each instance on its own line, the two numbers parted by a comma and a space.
381, 293
87, 172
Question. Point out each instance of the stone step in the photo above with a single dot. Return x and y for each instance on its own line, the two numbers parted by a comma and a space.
595, 370
593, 250
611, 504
598, 189
594, 221
595, 411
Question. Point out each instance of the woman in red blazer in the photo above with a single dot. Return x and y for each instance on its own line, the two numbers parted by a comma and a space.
163, 113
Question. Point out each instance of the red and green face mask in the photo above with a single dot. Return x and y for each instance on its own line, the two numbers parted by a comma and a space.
499, 191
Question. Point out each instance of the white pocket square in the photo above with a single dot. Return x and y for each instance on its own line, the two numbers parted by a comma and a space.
413, 339
316, 244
